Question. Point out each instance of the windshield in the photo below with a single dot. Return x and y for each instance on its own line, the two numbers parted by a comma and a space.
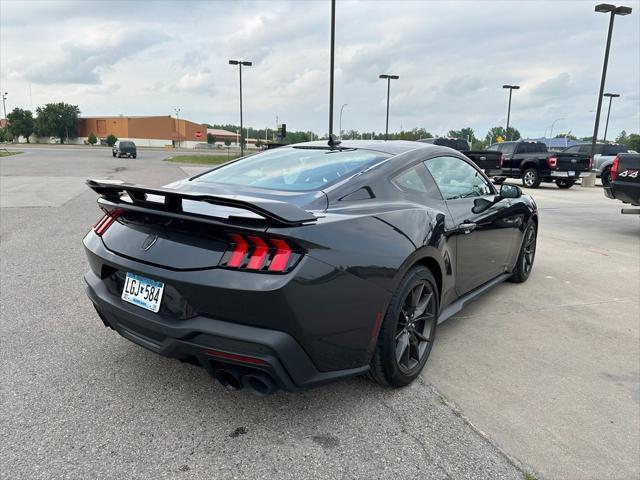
293, 169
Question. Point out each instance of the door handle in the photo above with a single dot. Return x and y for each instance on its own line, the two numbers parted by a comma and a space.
467, 227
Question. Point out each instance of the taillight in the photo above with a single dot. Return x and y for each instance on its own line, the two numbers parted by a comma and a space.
614, 169
552, 162
590, 163
251, 252
106, 221
501, 160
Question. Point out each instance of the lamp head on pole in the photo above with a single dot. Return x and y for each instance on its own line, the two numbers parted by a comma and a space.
612, 95
608, 8
511, 87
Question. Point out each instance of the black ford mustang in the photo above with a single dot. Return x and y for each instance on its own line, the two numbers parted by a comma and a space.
308, 263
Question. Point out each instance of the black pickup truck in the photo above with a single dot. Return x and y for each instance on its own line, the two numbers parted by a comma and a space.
489, 161
534, 163
625, 180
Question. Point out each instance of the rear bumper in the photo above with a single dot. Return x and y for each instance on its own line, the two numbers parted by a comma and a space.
575, 175
626, 192
276, 353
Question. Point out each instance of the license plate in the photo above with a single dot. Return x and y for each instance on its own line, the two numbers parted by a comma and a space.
143, 292
572, 174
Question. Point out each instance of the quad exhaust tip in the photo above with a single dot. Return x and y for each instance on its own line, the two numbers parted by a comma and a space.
258, 383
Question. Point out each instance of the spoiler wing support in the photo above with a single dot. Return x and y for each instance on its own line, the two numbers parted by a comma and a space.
280, 213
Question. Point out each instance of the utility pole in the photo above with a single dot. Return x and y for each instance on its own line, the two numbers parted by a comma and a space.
333, 45
606, 126
511, 89
240, 63
177, 110
388, 78
590, 181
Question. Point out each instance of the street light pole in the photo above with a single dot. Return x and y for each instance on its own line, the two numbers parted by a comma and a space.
341, 108
511, 89
4, 104
388, 78
332, 56
553, 125
240, 63
606, 126
590, 181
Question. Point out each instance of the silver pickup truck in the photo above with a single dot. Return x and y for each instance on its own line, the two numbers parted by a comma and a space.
603, 158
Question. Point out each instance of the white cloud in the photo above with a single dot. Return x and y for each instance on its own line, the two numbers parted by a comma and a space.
452, 59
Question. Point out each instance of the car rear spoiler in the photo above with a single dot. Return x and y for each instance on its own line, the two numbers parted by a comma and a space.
277, 212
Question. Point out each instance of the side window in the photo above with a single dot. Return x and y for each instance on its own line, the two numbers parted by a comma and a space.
494, 147
457, 179
586, 149
508, 148
573, 149
410, 180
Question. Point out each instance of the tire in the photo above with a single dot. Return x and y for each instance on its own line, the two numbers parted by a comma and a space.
499, 180
563, 183
112, 153
606, 178
526, 256
404, 343
134, 155
531, 178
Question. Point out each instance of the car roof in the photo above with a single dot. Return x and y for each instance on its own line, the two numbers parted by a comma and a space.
392, 147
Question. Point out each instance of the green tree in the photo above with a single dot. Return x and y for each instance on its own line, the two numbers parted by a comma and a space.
510, 134
211, 139
92, 138
57, 120
466, 133
259, 143
632, 142
3, 135
111, 139
623, 138
227, 142
20, 122
566, 135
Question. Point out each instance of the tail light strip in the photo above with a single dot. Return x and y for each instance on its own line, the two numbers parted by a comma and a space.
552, 162
614, 169
259, 254
106, 221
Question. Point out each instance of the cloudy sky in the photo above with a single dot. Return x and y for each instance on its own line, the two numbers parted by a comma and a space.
146, 58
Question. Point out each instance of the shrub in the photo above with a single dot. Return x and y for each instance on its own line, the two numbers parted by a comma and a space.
111, 139
92, 138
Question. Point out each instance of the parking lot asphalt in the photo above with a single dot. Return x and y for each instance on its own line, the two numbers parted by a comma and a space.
541, 377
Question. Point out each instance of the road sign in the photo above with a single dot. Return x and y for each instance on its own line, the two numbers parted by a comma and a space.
198, 134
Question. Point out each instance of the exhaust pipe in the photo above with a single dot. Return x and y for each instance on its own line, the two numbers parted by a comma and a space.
259, 384
229, 378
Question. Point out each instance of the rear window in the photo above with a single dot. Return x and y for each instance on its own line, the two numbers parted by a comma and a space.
127, 144
533, 147
455, 143
614, 149
293, 169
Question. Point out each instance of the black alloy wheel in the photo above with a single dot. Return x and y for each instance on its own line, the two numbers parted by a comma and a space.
415, 328
524, 264
408, 330
606, 178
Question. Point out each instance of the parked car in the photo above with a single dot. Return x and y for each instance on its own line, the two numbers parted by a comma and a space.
307, 263
603, 158
625, 180
489, 161
124, 148
533, 163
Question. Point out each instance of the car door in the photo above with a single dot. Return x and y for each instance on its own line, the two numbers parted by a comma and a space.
509, 165
485, 240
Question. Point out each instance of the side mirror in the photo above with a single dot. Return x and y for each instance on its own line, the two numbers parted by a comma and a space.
510, 191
